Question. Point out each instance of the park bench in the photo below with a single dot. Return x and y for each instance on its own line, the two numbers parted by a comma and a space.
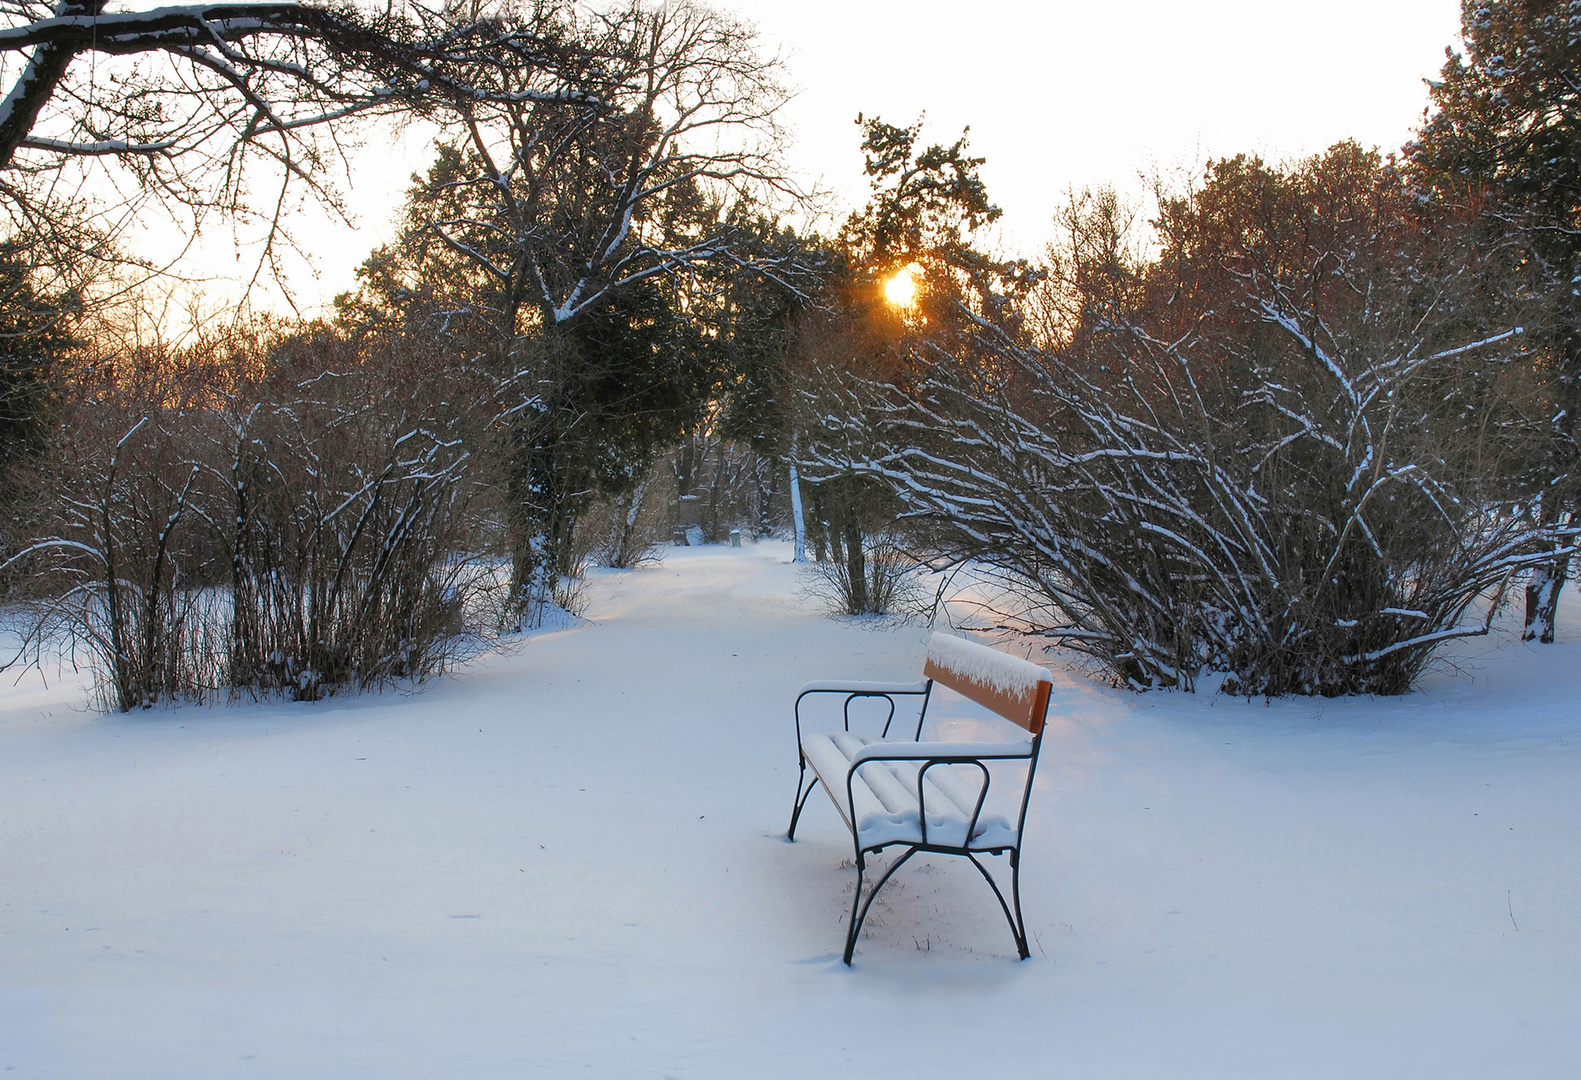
928, 796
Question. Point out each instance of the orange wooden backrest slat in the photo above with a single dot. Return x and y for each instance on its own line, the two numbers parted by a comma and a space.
1026, 709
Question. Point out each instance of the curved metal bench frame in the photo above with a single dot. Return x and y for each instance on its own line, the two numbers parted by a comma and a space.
1030, 714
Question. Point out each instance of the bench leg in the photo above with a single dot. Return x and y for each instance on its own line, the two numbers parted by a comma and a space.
1015, 893
856, 903
1017, 928
801, 800
858, 908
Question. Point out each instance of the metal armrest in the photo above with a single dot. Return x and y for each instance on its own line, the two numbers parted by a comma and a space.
931, 755
941, 751
876, 689
854, 690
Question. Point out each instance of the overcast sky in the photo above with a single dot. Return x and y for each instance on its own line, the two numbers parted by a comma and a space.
1059, 94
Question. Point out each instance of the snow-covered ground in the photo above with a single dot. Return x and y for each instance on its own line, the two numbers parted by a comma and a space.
568, 860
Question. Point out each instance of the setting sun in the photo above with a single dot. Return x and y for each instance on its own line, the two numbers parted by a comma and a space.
901, 290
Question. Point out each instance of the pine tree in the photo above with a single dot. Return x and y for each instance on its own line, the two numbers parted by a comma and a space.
924, 218
35, 338
1505, 130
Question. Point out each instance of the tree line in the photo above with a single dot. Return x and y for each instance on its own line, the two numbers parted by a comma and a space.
1299, 426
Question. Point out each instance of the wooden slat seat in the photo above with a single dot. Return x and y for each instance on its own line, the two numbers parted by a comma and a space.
886, 807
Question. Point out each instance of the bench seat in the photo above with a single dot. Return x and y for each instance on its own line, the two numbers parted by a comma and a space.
885, 792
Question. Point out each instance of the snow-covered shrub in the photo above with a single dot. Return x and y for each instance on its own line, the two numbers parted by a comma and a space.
348, 497
1327, 554
1292, 448
257, 513
124, 552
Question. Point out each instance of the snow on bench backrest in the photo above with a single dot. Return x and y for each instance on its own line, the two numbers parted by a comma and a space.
1014, 688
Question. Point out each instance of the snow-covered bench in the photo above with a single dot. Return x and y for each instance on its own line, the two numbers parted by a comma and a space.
929, 796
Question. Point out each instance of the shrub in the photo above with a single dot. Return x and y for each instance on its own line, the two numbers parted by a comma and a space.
348, 496
1297, 447
255, 514
624, 531
881, 582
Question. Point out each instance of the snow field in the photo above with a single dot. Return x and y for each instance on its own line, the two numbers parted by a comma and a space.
568, 860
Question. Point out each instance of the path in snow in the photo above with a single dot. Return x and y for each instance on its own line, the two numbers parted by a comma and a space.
567, 860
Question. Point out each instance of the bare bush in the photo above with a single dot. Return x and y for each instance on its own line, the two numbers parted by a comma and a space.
625, 531
126, 537
1292, 450
256, 514
1301, 564
889, 576
349, 501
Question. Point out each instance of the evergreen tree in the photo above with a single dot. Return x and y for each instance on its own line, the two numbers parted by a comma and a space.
1505, 131
927, 207
35, 338
591, 255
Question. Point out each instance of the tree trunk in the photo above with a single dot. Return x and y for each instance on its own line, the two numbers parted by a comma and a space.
855, 562
538, 502
799, 522
1542, 590
713, 530
826, 539
1542, 600
626, 525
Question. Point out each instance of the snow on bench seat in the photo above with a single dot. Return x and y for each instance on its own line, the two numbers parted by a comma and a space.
885, 792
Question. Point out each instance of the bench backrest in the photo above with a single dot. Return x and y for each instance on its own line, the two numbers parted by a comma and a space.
1016, 689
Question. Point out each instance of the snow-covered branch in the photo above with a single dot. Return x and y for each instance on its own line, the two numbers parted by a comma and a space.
1297, 509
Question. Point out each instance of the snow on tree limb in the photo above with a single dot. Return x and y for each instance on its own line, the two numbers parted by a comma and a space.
1294, 505
205, 95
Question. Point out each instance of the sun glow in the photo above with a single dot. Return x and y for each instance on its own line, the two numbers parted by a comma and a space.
901, 290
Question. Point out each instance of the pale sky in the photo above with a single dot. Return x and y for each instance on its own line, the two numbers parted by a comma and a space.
1058, 94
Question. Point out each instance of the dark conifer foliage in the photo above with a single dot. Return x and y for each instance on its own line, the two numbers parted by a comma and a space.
37, 336
1504, 135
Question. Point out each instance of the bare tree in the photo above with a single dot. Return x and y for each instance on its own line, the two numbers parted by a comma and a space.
565, 208
594, 244
234, 106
